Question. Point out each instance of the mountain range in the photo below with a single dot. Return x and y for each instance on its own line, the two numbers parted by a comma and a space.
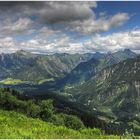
115, 90
108, 84
35, 68
85, 70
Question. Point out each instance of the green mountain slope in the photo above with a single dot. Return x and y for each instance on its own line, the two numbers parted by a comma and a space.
85, 70
34, 68
16, 126
81, 73
115, 91
75, 68
112, 81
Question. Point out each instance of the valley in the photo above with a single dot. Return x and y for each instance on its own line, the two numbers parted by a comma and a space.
97, 85
69, 69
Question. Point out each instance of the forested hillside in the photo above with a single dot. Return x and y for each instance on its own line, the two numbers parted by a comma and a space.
114, 91
42, 119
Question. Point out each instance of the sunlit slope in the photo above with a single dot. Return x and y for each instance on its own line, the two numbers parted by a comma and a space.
15, 125
116, 87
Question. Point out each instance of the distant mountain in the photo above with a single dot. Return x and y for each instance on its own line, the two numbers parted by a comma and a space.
98, 55
85, 70
64, 69
81, 73
26, 66
114, 58
123, 55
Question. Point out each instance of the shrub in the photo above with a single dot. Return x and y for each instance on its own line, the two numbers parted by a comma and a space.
56, 120
47, 109
32, 109
72, 121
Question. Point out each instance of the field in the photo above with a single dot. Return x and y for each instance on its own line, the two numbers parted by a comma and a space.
11, 81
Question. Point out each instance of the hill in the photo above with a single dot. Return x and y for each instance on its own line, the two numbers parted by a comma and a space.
115, 90
17, 126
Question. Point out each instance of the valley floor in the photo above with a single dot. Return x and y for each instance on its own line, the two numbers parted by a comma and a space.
17, 126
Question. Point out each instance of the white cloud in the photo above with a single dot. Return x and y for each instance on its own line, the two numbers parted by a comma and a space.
113, 42
102, 24
117, 41
57, 18
16, 27
73, 15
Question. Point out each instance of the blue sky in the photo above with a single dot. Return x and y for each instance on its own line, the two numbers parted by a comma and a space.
69, 27
130, 7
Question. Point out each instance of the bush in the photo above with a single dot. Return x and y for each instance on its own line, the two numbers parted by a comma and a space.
56, 120
69, 121
7, 100
72, 121
47, 109
32, 109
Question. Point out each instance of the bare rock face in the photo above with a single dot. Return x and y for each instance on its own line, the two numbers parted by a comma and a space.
137, 86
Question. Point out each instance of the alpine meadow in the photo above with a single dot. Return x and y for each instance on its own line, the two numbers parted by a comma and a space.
70, 70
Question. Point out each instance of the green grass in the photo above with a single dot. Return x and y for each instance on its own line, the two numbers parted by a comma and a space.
14, 125
11, 81
45, 80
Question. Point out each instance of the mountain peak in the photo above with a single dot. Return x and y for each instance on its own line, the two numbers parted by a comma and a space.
23, 52
109, 53
98, 55
127, 50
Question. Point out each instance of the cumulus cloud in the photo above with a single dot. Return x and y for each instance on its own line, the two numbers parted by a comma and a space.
116, 41
102, 24
7, 45
52, 24
113, 42
75, 16
50, 11
19, 26
55, 12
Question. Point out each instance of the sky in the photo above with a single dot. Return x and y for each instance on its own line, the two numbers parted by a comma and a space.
69, 26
